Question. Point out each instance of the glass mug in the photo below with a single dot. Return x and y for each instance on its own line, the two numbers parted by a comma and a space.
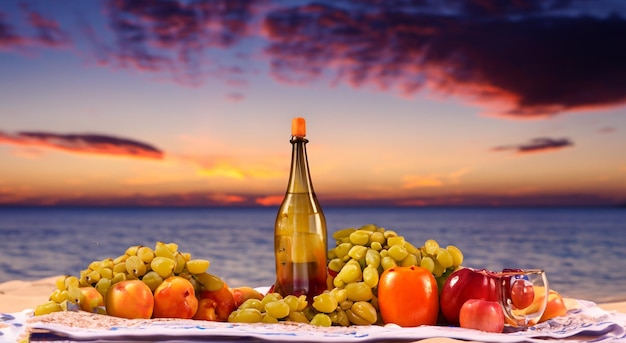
523, 296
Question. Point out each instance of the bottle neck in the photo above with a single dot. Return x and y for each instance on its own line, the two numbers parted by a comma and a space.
299, 178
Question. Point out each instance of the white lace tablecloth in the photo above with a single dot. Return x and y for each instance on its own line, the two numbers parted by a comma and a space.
586, 323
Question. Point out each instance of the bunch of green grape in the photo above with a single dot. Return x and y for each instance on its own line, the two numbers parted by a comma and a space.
359, 258
149, 265
273, 308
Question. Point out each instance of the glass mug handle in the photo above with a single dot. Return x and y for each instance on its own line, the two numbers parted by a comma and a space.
523, 296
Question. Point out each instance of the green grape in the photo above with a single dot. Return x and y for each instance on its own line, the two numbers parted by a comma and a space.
164, 266
132, 250
180, 263
252, 303
377, 237
409, 260
340, 294
351, 272
360, 237
362, 313
376, 246
247, 315
437, 269
357, 252
270, 297
389, 233
372, 258
146, 254
135, 266
152, 279
266, 318
371, 276
106, 273
95, 265
108, 263
162, 250
368, 227
47, 307
117, 277
395, 240
342, 249
336, 264
397, 252
277, 309
457, 255
71, 281
210, 282
197, 266
293, 303
321, 319
172, 246
119, 267
388, 262
60, 282
120, 259
411, 248
444, 258
325, 302
343, 233
428, 263
340, 317
359, 291
297, 317
431, 246
346, 304
58, 295
103, 286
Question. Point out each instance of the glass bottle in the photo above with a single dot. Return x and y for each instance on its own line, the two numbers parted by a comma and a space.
300, 229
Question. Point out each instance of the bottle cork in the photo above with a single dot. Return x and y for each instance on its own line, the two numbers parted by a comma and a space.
298, 127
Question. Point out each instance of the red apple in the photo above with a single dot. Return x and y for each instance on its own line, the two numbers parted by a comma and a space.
175, 298
482, 315
221, 304
465, 284
130, 299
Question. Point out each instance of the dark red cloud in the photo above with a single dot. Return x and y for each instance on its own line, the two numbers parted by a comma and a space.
537, 145
83, 143
47, 32
526, 55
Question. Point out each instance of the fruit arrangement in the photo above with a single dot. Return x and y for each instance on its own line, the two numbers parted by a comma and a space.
375, 276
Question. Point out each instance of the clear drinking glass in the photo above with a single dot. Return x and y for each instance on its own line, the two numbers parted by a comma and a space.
523, 296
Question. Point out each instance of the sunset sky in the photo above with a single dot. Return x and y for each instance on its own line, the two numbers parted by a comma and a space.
408, 103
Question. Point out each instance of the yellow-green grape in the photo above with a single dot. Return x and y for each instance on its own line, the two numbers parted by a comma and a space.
162, 250
428, 263
437, 269
357, 252
277, 309
390, 233
297, 317
120, 259
71, 281
302, 303
339, 317
117, 277
368, 227
331, 254
388, 262
74, 294
383, 253
95, 265
173, 247
164, 266
411, 248
377, 237
152, 279
210, 282
186, 256
132, 250
343, 233
457, 255
342, 249
321, 319
82, 278
119, 268
362, 313
47, 307
270, 297
58, 295
197, 266
346, 304
92, 277
359, 291
106, 273
340, 294
376, 246
180, 263
397, 252
395, 240
293, 302
103, 286
409, 260
336, 264
252, 303
444, 258
108, 263
372, 258
370, 276
431, 247
360, 237
135, 266
146, 254
247, 315
351, 272
60, 282
325, 302
266, 318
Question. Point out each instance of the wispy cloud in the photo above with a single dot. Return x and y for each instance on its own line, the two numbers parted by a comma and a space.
536, 145
83, 143
47, 32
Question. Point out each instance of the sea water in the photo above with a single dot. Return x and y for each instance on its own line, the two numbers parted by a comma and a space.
582, 249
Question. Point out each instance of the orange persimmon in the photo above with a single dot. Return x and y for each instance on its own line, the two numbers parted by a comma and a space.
408, 296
